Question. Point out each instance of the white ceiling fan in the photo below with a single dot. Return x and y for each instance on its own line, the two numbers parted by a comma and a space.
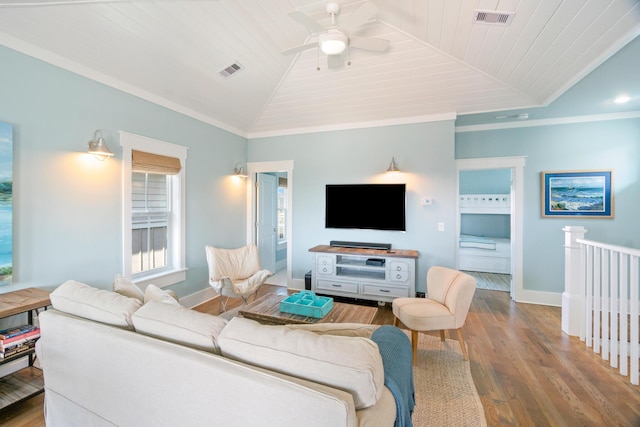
334, 39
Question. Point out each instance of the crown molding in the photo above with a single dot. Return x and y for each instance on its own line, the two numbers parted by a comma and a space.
549, 122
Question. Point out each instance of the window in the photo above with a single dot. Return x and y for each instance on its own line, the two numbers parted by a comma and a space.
153, 210
150, 221
282, 210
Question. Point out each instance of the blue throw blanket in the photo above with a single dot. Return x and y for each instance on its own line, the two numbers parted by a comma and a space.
395, 349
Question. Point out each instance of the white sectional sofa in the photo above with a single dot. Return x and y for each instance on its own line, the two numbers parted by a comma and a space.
114, 360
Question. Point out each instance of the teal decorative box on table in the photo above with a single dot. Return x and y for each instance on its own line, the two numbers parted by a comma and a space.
307, 303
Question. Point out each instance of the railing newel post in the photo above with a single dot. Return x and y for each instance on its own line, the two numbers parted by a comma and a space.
574, 291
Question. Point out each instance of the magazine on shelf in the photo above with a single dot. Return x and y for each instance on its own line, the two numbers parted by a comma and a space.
20, 340
15, 331
9, 341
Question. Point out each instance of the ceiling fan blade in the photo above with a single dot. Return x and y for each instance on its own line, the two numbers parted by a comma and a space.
299, 48
361, 15
304, 19
369, 43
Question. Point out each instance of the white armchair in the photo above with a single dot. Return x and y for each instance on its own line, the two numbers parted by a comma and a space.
450, 293
235, 273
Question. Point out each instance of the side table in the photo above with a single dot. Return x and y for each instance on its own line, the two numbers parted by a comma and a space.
27, 382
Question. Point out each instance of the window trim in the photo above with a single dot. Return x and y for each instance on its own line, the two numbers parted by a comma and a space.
177, 271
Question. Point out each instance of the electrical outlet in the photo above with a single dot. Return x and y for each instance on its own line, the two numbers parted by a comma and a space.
441, 226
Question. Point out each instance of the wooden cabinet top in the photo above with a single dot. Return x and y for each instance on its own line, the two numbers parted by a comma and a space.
399, 253
17, 302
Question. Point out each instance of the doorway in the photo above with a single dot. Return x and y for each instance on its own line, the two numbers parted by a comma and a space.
269, 217
516, 168
484, 248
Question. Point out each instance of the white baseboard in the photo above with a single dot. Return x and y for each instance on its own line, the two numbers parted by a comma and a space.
539, 297
199, 297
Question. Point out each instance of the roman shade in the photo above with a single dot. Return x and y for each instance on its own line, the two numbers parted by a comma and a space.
154, 163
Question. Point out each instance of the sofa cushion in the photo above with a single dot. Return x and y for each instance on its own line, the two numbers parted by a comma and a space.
352, 364
178, 324
126, 287
95, 304
154, 293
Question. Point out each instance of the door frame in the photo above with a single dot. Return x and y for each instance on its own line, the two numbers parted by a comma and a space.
516, 164
276, 166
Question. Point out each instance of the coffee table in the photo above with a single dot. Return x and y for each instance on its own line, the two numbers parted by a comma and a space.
266, 309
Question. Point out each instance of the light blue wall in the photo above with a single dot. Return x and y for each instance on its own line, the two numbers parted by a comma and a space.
425, 155
613, 144
487, 225
486, 181
67, 205
67, 208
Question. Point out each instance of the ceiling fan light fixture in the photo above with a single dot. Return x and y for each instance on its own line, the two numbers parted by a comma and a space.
333, 42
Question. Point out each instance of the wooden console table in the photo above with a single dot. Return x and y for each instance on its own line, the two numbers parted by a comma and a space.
372, 274
26, 382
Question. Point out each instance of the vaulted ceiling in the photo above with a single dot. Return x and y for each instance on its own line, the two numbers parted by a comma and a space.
440, 62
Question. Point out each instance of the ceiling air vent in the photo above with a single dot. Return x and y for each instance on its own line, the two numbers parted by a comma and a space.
492, 17
230, 70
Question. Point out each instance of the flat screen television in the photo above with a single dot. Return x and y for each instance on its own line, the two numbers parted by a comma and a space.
366, 206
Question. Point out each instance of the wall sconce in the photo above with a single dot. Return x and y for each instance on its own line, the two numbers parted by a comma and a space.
393, 167
98, 147
239, 171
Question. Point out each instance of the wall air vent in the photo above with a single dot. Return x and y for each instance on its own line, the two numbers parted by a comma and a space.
230, 70
492, 17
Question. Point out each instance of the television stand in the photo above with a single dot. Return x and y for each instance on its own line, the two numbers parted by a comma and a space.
372, 274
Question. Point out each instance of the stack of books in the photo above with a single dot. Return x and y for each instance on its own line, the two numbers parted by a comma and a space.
18, 340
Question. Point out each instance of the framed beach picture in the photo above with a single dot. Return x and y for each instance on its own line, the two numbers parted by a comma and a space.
586, 194
6, 203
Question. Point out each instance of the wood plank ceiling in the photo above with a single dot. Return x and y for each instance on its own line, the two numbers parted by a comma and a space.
439, 63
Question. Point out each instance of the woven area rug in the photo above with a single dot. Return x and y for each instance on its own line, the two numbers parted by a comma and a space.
445, 392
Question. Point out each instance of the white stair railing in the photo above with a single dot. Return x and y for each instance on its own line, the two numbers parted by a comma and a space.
609, 277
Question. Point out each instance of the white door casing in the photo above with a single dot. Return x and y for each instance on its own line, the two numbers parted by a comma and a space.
276, 166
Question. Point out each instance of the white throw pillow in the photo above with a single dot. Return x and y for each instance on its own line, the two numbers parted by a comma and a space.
352, 364
95, 304
126, 287
180, 325
154, 293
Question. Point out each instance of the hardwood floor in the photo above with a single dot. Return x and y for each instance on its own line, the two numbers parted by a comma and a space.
526, 371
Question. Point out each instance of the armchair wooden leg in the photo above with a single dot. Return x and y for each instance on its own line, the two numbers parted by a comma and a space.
396, 321
465, 354
442, 335
414, 345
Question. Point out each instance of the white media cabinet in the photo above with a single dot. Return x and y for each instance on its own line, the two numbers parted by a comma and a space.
371, 274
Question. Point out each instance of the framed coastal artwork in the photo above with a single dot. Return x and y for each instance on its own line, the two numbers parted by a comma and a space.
6, 203
587, 194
